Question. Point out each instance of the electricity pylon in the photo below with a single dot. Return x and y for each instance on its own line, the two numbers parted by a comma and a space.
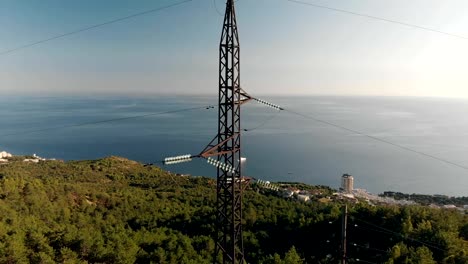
227, 145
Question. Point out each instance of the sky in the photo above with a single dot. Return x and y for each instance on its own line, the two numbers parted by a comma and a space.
286, 48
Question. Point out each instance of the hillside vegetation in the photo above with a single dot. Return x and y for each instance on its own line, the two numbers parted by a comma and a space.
114, 210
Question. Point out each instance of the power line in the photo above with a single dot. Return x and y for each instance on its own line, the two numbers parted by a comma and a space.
378, 18
264, 123
215, 5
375, 230
364, 261
378, 139
369, 248
425, 243
216, 8
93, 27
392, 233
365, 135
105, 121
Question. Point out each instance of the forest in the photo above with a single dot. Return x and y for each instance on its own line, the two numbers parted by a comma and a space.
114, 210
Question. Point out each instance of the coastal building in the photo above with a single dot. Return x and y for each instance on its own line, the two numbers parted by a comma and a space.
31, 160
347, 182
287, 193
303, 198
450, 206
5, 154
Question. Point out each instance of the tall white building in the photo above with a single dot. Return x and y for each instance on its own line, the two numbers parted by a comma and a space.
347, 182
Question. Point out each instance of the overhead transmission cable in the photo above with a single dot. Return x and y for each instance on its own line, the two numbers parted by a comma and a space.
364, 261
391, 232
277, 107
264, 123
378, 18
154, 10
368, 248
215, 5
403, 237
216, 9
378, 139
105, 121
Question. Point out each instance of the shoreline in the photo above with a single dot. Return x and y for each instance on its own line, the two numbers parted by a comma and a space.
301, 191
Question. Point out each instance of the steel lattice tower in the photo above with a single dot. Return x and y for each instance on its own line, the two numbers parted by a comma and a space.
229, 190
227, 145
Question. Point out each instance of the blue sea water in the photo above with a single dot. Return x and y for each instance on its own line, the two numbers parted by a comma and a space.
279, 147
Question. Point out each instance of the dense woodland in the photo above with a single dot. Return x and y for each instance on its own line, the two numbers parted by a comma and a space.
118, 211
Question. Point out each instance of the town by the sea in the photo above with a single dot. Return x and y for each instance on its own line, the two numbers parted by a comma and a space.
431, 134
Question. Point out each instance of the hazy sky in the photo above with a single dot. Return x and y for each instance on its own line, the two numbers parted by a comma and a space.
286, 48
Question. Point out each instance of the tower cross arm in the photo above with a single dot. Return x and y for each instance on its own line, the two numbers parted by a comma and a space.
213, 150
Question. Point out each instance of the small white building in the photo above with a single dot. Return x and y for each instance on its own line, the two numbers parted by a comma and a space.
303, 198
35, 159
287, 193
5, 154
31, 160
449, 206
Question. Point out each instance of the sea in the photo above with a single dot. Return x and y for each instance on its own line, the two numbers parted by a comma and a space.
405, 144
